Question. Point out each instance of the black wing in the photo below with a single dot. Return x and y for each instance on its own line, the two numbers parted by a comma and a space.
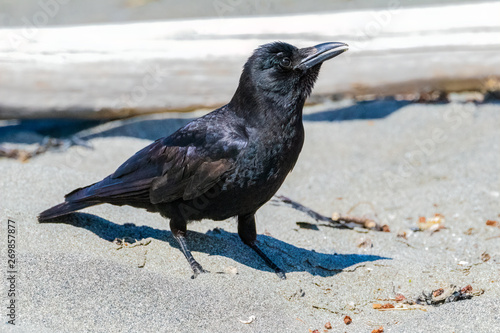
184, 165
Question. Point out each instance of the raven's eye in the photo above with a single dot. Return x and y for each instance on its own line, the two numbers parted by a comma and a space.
285, 63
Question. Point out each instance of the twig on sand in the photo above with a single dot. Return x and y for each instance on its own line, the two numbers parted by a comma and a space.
337, 220
24, 155
364, 222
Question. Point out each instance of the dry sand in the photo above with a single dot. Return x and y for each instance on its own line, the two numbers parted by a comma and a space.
393, 161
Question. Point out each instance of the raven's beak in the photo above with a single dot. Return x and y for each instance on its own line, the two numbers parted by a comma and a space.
319, 53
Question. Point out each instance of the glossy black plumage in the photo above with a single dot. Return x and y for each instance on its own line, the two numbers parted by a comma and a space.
226, 163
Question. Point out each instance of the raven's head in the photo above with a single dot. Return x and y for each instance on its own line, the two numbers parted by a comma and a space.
282, 74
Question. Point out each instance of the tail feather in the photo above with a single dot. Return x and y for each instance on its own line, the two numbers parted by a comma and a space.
63, 209
108, 190
81, 193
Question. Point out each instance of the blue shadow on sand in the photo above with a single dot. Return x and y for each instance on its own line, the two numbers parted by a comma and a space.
55, 128
362, 110
144, 127
219, 242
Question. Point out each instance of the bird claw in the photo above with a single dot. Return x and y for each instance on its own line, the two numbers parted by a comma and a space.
197, 270
280, 273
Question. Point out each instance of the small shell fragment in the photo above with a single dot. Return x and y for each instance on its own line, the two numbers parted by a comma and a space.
432, 224
492, 223
248, 321
231, 270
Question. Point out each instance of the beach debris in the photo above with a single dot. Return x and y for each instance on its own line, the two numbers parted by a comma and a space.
402, 234
347, 320
248, 321
385, 228
337, 220
17, 154
447, 294
142, 262
402, 304
297, 294
492, 223
378, 330
328, 325
485, 257
470, 231
315, 331
365, 243
356, 221
361, 230
437, 292
231, 270
48, 144
434, 96
129, 242
307, 225
432, 224
491, 89
435, 298
378, 306
466, 289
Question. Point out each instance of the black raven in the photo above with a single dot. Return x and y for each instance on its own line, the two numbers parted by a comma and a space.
226, 163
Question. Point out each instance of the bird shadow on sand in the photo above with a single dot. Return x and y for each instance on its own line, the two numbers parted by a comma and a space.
362, 110
149, 127
152, 127
30, 131
157, 126
218, 242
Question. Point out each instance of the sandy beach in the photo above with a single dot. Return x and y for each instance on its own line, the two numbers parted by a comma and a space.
118, 269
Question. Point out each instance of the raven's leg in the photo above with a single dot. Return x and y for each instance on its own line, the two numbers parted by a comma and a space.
178, 228
248, 234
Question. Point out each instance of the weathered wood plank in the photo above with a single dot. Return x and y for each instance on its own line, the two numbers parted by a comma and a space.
126, 69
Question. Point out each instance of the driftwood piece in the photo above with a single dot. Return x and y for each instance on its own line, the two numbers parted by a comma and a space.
120, 70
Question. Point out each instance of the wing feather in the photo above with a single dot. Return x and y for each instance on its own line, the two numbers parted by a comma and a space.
183, 166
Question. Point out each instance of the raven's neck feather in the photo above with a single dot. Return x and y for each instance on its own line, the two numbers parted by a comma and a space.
260, 107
